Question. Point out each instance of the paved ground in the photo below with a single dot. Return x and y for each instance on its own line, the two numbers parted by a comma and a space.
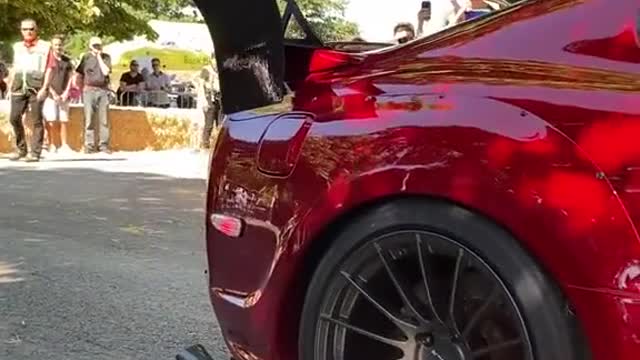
102, 258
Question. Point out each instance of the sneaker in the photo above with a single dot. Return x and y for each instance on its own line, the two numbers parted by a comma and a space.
88, 150
106, 151
65, 149
31, 158
53, 149
17, 156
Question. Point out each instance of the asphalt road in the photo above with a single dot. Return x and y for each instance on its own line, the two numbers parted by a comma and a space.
98, 263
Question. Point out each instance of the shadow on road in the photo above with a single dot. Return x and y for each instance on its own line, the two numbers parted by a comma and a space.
79, 202
102, 265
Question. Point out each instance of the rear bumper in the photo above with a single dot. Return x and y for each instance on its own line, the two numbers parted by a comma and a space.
260, 326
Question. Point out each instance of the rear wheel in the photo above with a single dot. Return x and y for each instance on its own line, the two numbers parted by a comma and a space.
413, 280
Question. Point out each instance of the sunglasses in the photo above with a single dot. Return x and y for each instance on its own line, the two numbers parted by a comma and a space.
28, 29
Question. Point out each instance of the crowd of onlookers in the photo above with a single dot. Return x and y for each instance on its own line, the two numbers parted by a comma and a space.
43, 81
140, 87
434, 16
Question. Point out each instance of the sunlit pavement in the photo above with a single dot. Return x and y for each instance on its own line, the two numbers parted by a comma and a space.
102, 257
186, 164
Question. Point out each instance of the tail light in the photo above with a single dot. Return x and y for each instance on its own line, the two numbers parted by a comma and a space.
227, 225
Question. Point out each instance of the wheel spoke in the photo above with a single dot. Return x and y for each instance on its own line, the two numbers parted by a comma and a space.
454, 289
398, 286
369, 334
403, 325
496, 347
423, 270
478, 314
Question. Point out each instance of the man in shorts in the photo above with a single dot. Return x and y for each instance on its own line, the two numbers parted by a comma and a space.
56, 106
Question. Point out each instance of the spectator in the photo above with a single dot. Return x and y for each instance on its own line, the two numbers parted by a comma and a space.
131, 85
404, 32
157, 85
94, 70
56, 106
3, 84
29, 84
476, 8
439, 15
209, 101
444, 13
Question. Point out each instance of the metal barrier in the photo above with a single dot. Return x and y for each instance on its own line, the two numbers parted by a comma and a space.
160, 99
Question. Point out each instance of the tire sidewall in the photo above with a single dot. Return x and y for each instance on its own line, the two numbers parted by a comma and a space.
539, 300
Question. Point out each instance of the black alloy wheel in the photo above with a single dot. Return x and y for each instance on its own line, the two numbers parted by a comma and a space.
406, 282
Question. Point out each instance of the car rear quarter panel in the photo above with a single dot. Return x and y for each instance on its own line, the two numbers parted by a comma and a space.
516, 134
498, 159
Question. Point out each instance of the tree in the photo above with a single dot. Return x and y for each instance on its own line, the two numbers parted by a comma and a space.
112, 19
326, 18
117, 20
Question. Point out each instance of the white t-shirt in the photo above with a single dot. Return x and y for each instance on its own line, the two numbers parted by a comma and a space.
442, 12
377, 18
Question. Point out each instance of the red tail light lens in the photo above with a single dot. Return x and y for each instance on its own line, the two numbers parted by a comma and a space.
227, 225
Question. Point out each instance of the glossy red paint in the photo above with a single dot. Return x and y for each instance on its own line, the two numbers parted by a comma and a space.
528, 117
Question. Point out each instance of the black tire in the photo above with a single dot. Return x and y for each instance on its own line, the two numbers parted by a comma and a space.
550, 329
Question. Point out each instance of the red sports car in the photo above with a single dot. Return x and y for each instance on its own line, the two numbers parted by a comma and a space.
474, 194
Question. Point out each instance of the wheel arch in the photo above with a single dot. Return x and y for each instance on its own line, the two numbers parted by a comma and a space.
539, 188
544, 232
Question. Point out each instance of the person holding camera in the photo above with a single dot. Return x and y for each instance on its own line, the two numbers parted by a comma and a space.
437, 15
94, 70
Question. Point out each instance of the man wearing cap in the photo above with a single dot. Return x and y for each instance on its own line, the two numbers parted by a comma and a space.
94, 70
28, 85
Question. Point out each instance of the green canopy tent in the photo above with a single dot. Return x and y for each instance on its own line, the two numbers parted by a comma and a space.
172, 59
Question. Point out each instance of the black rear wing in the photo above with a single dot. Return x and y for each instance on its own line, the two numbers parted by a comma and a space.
248, 37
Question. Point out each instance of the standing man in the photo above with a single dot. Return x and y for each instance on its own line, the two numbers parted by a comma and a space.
131, 86
29, 83
56, 106
158, 85
209, 101
94, 69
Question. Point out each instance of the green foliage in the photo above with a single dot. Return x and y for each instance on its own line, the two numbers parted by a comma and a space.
76, 44
326, 18
116, 20
113, 20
